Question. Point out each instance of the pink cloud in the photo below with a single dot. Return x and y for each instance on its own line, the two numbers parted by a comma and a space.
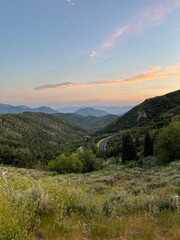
149, 74
153, 69
58, 86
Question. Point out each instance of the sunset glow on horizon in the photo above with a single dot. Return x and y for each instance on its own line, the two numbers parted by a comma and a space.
82, 52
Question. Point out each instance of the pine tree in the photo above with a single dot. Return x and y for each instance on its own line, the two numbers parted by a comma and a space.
128, 148
148, 145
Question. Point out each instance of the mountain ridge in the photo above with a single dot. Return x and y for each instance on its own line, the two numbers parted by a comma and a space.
89, 122
90, 112
11, 109
115, 110
146, 112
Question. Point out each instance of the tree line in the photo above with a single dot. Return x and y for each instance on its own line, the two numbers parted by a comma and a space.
166, 146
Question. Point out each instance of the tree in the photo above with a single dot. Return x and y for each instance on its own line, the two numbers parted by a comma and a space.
128, 148
89, 160
66, 164
148, 145
167, 146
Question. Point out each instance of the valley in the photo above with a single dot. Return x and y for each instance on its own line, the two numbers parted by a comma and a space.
67, 176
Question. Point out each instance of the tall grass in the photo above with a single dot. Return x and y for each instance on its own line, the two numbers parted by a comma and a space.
115, 203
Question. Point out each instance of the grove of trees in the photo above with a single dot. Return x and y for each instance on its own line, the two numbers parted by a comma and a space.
84, 161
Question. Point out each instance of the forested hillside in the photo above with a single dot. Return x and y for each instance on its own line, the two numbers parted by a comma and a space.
154, 111
89, 122
30, 137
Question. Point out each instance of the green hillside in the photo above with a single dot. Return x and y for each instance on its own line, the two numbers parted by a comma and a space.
28, 137
89, 122
154, 111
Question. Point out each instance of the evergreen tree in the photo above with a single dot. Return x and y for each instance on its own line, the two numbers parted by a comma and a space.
148, 145
128, 148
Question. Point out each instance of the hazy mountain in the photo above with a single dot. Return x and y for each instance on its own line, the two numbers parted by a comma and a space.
114, 110
89, 122
6, 108
91, 112
152, 111
30, 137
44, 109
108, 109
68, 109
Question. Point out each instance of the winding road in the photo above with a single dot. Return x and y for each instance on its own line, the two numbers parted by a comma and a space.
103, 143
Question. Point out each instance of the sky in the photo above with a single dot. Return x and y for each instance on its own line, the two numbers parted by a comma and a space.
88, 52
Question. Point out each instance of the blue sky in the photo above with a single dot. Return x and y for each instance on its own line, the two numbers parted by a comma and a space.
88, 52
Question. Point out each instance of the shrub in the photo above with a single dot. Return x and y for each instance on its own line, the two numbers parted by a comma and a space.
170, 202
66, 164
149, 162
114, 203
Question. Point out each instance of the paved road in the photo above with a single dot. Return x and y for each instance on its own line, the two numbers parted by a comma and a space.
103, 143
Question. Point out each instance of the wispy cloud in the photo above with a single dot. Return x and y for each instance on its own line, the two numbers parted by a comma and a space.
149, 18
172, 72
154, 15
153, 69
112, 40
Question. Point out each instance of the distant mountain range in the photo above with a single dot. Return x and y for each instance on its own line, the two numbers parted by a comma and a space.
154, 111
83, 111
6, 108
108, 109
89, 122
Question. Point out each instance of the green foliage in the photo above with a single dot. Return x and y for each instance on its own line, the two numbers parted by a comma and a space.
167, 147
66, 164
128, 148
17, 156
114, 146
89, 160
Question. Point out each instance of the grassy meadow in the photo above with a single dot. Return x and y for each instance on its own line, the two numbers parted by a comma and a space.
118, 202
